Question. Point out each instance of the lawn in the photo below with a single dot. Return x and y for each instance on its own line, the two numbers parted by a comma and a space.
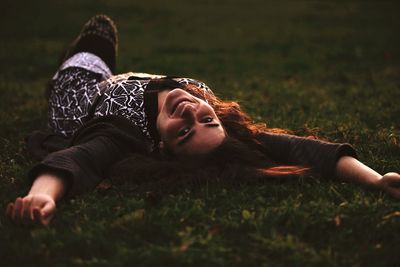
326, 68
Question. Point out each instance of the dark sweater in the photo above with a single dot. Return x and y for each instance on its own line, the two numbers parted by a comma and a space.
85, 159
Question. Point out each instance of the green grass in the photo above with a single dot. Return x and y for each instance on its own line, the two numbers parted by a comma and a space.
325, 68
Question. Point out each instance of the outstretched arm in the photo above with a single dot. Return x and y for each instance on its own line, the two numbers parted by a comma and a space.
327, 159
70, 171
76, 169
352, 170
40, 204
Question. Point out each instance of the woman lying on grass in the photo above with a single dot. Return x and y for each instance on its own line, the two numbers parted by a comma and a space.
139, 125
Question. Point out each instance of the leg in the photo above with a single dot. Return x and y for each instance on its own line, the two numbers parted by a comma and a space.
70, 98
89, 60
98, 36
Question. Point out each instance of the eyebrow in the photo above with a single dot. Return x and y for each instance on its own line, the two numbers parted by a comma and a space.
193, 132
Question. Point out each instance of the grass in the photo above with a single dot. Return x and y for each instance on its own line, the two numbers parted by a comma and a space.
325, 68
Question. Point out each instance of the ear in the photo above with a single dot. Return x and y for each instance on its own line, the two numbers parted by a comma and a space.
164, 150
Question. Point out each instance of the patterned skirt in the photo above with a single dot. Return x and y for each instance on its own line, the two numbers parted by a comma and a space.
73, 91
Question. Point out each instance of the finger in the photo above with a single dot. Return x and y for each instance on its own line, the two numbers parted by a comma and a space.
16, 216
392, 174
36, 215
48, 208
46, 218
9, 210
393, 180
47, 213
41, 217
27, 203
31, 214
394, 192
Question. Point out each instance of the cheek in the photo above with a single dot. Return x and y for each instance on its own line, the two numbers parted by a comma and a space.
161, 122
166, 128
161, 126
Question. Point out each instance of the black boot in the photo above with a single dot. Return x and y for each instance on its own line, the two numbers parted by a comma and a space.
98, 36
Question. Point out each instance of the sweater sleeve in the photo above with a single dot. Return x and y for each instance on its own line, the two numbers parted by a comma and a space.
318, 155
93, 151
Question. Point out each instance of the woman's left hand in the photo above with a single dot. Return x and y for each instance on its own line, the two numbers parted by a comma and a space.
390, 183
352, 170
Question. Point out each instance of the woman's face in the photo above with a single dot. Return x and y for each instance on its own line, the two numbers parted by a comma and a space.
187, 125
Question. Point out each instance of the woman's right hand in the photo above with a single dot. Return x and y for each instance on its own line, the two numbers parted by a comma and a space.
39, 205
36, 208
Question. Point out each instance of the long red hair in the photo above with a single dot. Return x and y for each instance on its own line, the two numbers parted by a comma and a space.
240, 126
239, 159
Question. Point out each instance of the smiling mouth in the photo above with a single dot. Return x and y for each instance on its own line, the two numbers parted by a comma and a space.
178, 103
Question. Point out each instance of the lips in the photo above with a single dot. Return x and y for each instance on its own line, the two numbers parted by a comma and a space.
174, 98
179, 104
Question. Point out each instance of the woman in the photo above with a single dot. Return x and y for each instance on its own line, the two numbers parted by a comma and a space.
103, 124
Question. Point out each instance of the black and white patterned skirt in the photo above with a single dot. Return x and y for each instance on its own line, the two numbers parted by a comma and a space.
74, 88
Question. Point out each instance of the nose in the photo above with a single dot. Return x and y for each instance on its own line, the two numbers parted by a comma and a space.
189, 112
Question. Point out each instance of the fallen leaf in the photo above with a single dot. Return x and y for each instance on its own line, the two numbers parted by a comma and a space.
184, 247
337, 220
104, 185
246, 214
391, 215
